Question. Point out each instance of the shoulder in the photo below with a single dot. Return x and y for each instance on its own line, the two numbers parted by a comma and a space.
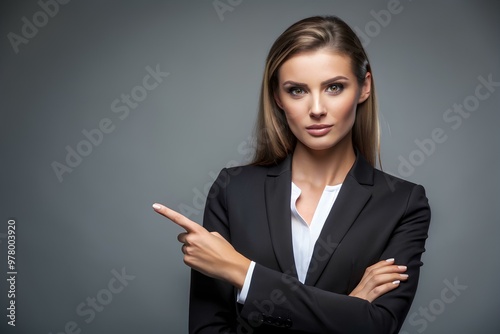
387, 190
408, 195
381, 182
242, 176
236, 187
391, 182
250, 174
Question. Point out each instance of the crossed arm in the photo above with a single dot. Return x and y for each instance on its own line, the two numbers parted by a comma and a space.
210, 254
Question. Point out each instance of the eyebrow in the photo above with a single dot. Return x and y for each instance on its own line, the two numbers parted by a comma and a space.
326, 82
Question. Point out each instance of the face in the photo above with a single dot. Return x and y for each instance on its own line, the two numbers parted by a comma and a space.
319, 93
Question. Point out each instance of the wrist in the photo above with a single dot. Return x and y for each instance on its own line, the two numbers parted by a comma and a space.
238, 272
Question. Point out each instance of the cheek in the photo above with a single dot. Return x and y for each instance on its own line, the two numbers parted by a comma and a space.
292, 122
291, 116
350, 117
343, 109
294, 113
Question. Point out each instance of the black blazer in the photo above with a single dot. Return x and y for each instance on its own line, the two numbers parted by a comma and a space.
376, 216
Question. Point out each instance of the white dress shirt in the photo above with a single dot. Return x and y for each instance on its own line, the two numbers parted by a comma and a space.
304, 236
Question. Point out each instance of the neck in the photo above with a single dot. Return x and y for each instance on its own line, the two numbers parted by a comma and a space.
321, 168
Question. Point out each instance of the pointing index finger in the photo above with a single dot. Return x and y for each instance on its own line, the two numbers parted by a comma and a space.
177, 218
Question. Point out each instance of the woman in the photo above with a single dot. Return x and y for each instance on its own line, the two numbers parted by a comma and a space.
310, 237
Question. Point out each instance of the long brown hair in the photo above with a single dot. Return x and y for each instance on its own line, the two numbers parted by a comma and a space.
274, 138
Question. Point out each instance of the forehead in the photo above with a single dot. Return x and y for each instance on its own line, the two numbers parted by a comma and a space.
315, 65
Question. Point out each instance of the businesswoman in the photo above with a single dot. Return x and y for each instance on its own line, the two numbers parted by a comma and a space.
309, 238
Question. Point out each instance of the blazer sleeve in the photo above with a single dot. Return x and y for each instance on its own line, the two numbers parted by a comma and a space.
275, 298
212, 306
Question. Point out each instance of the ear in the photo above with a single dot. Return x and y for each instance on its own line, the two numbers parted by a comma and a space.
365, 88
277, 100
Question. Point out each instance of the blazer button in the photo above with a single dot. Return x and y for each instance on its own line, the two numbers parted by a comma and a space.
288, 323
256, 318
267, 319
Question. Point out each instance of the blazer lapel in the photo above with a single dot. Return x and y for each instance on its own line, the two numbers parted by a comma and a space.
349, 203
278, 194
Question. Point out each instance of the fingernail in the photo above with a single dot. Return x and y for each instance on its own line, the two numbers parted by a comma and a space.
156, 206
404, 275
396, 282
390, 260
402, 267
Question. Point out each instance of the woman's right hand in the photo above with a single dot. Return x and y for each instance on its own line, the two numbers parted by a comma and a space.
379, 279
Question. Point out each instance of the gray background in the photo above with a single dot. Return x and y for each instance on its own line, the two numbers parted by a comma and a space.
72, 234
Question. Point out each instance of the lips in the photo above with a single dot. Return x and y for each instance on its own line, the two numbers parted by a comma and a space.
319, 130
319, 126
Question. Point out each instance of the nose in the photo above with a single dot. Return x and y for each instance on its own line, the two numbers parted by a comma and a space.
317, 109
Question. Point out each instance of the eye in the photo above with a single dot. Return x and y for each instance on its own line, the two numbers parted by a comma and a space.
336, 88
296, 91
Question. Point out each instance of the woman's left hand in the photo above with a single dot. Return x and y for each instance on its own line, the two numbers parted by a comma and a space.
208, 252
379, 279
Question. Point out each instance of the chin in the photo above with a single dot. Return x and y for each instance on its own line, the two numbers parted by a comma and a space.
319, 146
325, 144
